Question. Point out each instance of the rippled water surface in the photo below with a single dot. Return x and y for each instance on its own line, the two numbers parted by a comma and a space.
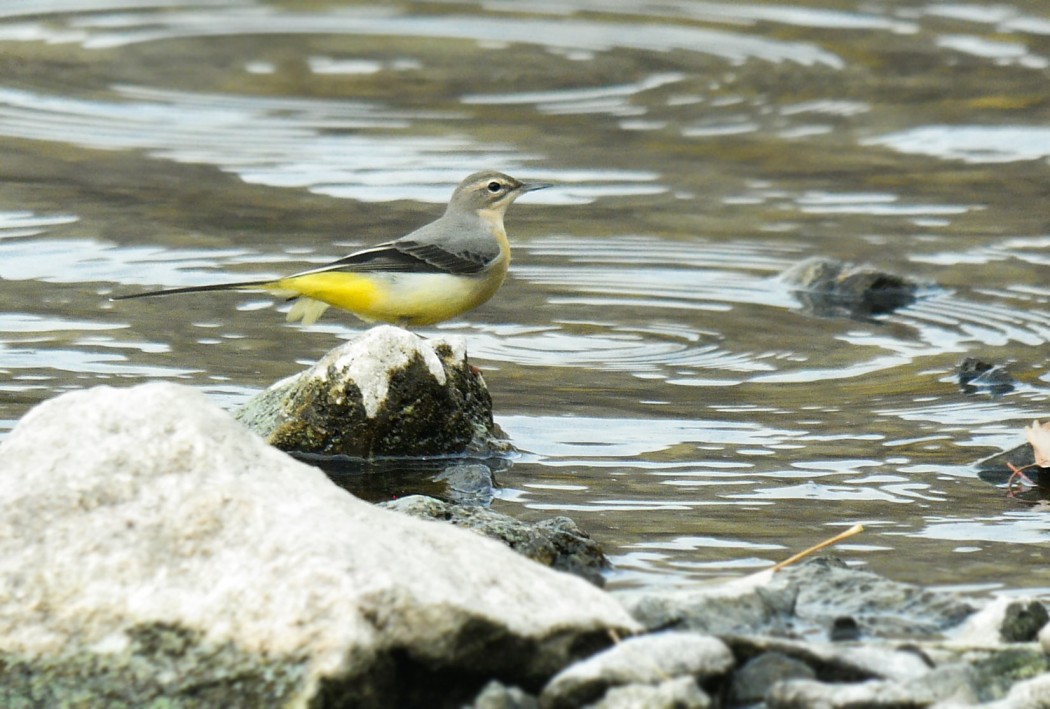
667, 390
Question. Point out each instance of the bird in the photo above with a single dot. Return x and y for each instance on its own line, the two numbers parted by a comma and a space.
441, 270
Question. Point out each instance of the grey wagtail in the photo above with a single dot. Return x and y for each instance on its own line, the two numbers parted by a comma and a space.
449, 266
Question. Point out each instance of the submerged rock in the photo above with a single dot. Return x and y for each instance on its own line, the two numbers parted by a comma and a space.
154, 552
460, 479
387, 392
977, 376
999, 469
555, 542
832, 288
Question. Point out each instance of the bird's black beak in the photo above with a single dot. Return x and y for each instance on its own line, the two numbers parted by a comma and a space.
533, 186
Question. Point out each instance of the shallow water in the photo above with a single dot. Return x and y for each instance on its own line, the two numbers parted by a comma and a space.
666, 389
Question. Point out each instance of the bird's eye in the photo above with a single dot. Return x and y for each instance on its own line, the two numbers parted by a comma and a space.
495, 186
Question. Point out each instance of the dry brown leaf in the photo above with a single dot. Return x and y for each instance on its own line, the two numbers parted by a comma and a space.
1039, 436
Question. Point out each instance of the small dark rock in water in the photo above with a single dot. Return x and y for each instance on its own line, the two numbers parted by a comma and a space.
386, 392
1022, 621
999, 468
977, 376
831, 288
555, 542
468, 483
753, 680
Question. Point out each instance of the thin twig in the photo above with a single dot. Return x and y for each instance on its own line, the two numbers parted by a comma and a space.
855, 529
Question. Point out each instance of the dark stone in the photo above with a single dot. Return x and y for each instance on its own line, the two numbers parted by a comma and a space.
1023, 621
999, 468
844, 628
831, 288
977, 376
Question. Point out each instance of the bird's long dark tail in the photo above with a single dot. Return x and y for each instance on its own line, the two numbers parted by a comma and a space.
195, 289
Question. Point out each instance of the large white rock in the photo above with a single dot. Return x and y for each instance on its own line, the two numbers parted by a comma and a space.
129, 513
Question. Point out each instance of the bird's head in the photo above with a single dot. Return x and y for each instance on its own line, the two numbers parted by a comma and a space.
490, 190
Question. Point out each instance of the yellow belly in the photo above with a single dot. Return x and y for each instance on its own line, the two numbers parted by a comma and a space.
404, 298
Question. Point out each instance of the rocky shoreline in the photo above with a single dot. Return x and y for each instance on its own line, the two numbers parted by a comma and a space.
155, 552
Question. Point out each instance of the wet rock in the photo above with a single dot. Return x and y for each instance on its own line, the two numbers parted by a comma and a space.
806, 598
977, 376
680, 693
154, 552
468, 483
831, 288
999, 468
826, 589
1023, 621
752, 681
645, 660
496, 695
387, 392
555, 542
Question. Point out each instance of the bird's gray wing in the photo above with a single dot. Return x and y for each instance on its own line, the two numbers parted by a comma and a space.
458, 247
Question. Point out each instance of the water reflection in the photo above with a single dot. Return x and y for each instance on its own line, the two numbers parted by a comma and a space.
972, 143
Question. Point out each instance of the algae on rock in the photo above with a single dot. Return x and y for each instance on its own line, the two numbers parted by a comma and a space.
386, 392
